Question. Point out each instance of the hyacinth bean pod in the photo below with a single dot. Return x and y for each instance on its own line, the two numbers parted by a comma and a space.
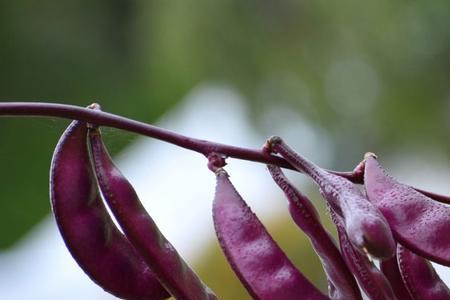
418, 222
366, 227
342, 284
419, 276
391, 270
257, 260
370, 279
173, 272
89, 233
358, 177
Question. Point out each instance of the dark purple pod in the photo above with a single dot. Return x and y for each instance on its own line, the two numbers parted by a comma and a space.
366, 227
103, 253
255, 257
172, 271
342, 284
418, 222
419, 276
357, 176
391, 270
370, 279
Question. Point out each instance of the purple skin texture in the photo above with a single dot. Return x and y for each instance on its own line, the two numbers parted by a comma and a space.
419, 276
391, 270
89, 233
370, 279
357, 176
342, 284
441, 198
366, 227
172, 271
418, 222
257, 260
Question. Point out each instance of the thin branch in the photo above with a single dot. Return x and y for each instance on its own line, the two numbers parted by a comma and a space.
111, 120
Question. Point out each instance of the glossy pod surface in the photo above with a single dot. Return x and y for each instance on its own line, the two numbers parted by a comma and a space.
418, 222
419, 277
342, 284
391, 270
260, 264
173, 272
103, 253
366, 227
370, 279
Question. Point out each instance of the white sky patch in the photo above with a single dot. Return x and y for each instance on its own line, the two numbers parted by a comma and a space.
305, 138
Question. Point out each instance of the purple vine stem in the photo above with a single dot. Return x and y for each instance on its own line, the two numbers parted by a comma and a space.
204, 147
101, 118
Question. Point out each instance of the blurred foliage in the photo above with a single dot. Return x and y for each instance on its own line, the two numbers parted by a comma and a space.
373, 74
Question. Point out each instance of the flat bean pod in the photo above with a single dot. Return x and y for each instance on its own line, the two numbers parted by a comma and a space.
366, 227
342, 284
173, 272
358, 174
418, 222
419, 276
258, 261
370, 279
89, 233
391, 270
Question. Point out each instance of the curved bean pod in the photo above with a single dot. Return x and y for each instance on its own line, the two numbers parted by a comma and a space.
366, 227
419, 276
358, 177
391, 270
418, 222
257, 260
342, 284
370, 279
172, 271
89, 233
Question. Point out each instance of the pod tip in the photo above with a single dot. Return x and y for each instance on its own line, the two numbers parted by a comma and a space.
370, 154
221, 171
270, 142
216, 161
95, 106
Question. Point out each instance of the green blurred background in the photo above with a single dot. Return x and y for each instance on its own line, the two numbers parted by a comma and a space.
373, 75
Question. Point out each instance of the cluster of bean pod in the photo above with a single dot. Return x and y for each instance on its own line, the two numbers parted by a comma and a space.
138, 264
396, 225
387, 235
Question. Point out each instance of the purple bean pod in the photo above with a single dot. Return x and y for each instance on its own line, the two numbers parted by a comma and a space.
370, 279
89, 233
255, 257
417, 221
357, 176
342, 284
172, 271
391, 270
366, 227
419, 276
